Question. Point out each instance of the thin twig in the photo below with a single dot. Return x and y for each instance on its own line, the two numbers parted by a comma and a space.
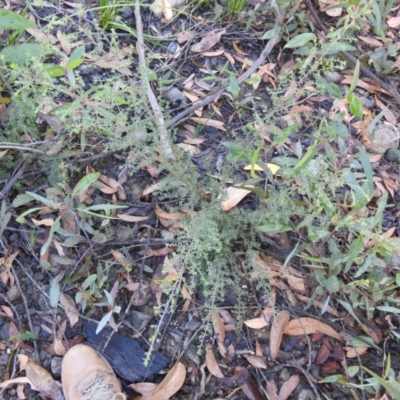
12, 180
214, 96
162, 127
366, 71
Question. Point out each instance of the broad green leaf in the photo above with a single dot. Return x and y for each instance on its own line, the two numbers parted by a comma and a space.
21, 200
389, 309
271, 33
20, 54
379, 212
12, 20
74, 64
254, 160
333, 284
54, 70
355, 105
352, 370
354, 250
300, 40
75, 57
392, 386
307, 157
54, 293
89, 280
42, 199
331, 379
364, 158
103, 322
85, 183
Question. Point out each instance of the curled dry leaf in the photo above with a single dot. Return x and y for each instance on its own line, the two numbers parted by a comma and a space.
234, 197
211, 362
218, 325
278, 325
353, 352
256, 361
172, 382
43, 381
208, 41
165, 215
261, 322
308, 326
70, 308
131, 218
288, 386
210, 122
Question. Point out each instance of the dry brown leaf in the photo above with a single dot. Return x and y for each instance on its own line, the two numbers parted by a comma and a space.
112, 183
6, 275
371, 41
150, 189
168, 216
256, 361
229, 57
43, 381
288, 387
189, 148
275, 270
64, 42
218, 325
22, 379
353, 352
208, 41
211, 362
272, 390
70, 308
278, 325
234, 197
45, 222
131, 218
308, 326
259, 350
121, 259
261, 322
3, 153
237, 49
184, 36
172, 382
210, 122
214, 53
393, 22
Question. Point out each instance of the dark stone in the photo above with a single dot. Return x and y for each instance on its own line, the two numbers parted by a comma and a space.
4, 331
392, 156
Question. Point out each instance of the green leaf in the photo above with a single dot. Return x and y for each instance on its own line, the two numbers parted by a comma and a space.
271, 33
364, 158
349, 308
21, 218
307, 157
103, 322
54, 70
54, 293
103, 207
356, 76
85, 183
75, 59
42, 199
300, 40
21, 200
355, 105
391, 385
233, 86
352, 371
20, 54
89, 280
333, 284
273, 228
12, 20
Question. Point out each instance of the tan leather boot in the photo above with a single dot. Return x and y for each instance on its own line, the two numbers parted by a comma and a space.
86, 375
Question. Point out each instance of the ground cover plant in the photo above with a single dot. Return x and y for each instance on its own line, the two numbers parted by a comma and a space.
217, 181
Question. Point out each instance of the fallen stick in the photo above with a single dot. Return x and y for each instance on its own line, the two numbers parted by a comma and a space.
166, 148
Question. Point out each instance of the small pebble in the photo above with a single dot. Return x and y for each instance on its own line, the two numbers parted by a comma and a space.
13, 294
334, 77
55, 366
392, 156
